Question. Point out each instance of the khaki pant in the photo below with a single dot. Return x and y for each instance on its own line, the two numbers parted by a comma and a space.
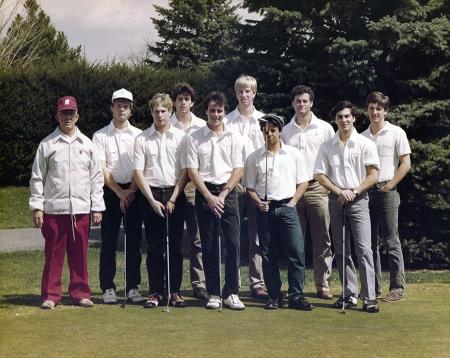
313, 212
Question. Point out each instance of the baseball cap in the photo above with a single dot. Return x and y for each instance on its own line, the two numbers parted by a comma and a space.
66, 102
272, 118
122, 93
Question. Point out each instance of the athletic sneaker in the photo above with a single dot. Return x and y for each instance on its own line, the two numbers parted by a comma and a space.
48, 305
395, 295
85, 302
109, 297
371, 306
134, 296
350, 301
213, 302
233, 302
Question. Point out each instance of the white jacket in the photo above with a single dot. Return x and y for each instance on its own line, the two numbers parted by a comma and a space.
66, 177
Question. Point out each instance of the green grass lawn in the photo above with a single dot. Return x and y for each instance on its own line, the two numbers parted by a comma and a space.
416, 327
14, 212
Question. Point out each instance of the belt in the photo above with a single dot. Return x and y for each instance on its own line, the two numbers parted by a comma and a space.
215, 187
277, 203
162, 190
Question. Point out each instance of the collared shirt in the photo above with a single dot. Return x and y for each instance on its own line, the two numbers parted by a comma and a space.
215, 155
285, 169
392, 143
195, 123
308, 139
346, 166
248, 128
159, 156
115, 148
67, 176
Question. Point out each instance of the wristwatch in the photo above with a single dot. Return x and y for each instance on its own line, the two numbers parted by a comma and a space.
355, 191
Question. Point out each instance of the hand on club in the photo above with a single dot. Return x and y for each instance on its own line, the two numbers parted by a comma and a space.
388, 187
170, 207
158, 208
126, 197
96, 218
217, 204
263, 206
346, 196
38, 218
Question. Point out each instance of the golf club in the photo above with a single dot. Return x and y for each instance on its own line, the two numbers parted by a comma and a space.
343, 260
219, 244
125, 259
167, 309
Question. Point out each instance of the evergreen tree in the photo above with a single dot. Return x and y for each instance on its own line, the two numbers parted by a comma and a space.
32, 39
194, 33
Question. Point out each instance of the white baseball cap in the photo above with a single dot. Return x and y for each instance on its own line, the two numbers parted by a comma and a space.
122, 93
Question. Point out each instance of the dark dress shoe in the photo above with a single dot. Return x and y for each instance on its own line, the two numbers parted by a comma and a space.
300, 303
176, 300
200, 293
274, 303
325, 295
259, 293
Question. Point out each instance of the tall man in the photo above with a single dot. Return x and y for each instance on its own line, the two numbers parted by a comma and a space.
393, 149
122, 199
66, 191
183, 97
347, 166
276, 179
215, 165
307, 132
244, 120
159, 171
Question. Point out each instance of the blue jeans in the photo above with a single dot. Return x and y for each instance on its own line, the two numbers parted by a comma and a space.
279, 232
384, 221
357, 222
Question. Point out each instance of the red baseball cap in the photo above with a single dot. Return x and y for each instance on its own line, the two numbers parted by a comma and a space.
66, 102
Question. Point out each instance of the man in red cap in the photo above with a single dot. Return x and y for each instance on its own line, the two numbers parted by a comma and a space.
66, 190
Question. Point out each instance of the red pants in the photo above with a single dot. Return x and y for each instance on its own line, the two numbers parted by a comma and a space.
59, 237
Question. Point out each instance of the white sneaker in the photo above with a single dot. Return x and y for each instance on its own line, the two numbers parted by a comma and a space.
233, 302
48, 305
109, 297
213, 302
85, 302
134, 296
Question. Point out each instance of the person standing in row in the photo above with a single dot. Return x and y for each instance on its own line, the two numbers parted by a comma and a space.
183, 97
347, 166
276, 179
159, 171
307, 132
66, 193
215, 164
394, 152
122, 199
244, 121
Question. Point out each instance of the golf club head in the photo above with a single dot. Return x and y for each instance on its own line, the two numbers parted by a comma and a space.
122, 305
343, 311
165, 309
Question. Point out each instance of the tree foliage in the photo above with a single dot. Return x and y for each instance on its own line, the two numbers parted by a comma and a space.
194, 33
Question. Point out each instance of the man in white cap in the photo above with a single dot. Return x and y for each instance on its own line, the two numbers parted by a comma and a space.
115, 147
66, 192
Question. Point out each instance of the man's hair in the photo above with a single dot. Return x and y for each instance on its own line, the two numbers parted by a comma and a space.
300, 89
378, 98
161, 99
217, 97
340, 106
244, 81
184, 89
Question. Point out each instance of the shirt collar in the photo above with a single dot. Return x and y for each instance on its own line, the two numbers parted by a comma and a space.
313, 123
152, 130
207, 131
111, 129
262, 151
386, 127
335, 140
59, 135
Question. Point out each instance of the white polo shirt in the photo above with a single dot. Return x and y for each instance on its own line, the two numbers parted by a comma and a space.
215, 155
115, 147
308, 139
248, 128
391, 143
159, 156
67, 176
285, 169
195, 123
345, 165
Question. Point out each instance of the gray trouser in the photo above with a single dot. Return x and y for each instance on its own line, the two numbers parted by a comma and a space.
312, 210
384, 219
357, 221
195, 245
247, 207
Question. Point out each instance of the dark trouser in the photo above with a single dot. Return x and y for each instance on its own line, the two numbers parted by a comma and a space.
208, 226
111, 220
384, 224
156, 235
279, 232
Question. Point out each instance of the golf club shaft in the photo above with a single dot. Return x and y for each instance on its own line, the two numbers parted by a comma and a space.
219, 244
167, 262
343, 259
125, 259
